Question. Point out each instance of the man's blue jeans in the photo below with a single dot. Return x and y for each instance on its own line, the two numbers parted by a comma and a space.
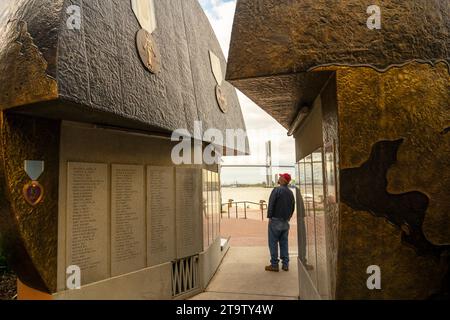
279, 235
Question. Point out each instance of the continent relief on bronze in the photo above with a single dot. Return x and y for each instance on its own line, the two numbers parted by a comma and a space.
365, 189
148, 51
221, 99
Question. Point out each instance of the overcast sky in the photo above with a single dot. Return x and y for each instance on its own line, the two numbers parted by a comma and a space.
260, 125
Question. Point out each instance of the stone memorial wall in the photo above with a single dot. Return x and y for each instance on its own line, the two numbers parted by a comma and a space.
133, 213
188, 224
128, 239
160, 215
87, 220
124, 218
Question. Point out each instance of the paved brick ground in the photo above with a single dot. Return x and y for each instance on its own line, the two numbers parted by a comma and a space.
241, 276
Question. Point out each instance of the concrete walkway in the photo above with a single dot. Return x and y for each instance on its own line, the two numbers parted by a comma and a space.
242, 277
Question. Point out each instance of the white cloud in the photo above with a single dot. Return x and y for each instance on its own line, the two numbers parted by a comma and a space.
221, 14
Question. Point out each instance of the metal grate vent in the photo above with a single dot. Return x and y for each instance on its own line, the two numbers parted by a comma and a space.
184, 276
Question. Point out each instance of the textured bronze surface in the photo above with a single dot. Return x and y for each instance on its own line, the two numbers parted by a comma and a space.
364, 189
23, 69
43, 19
30, 231
283, 96
274, 42
290, 36
409, 107
148, 51
366, 240
93, 74
391, 84
410, 103
99, 73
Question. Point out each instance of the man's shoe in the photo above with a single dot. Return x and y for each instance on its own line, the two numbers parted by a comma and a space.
272, 269
285, 268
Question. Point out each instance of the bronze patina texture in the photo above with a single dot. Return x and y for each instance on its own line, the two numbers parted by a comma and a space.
275, 42
366, 240
410, 103
387, 115
52, 69
30, 232
99, 67
394, 164
95, 74
24, 71
284, 96
148, 51
42, 18
290, 36
204, 81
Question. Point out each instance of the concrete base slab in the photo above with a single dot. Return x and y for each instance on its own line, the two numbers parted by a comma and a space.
242, 276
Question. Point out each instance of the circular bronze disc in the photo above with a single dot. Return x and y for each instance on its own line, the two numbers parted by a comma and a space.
221, 99
148, 51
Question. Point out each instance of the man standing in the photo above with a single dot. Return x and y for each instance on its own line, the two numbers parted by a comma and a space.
280, 211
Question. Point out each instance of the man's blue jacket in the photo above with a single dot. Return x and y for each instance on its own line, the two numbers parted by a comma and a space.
281, 203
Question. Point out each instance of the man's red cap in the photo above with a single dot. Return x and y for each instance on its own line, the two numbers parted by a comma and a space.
286, 177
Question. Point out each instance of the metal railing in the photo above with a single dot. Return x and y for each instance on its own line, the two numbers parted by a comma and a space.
232, 205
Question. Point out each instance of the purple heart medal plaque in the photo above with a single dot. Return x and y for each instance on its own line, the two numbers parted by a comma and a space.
33, 192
